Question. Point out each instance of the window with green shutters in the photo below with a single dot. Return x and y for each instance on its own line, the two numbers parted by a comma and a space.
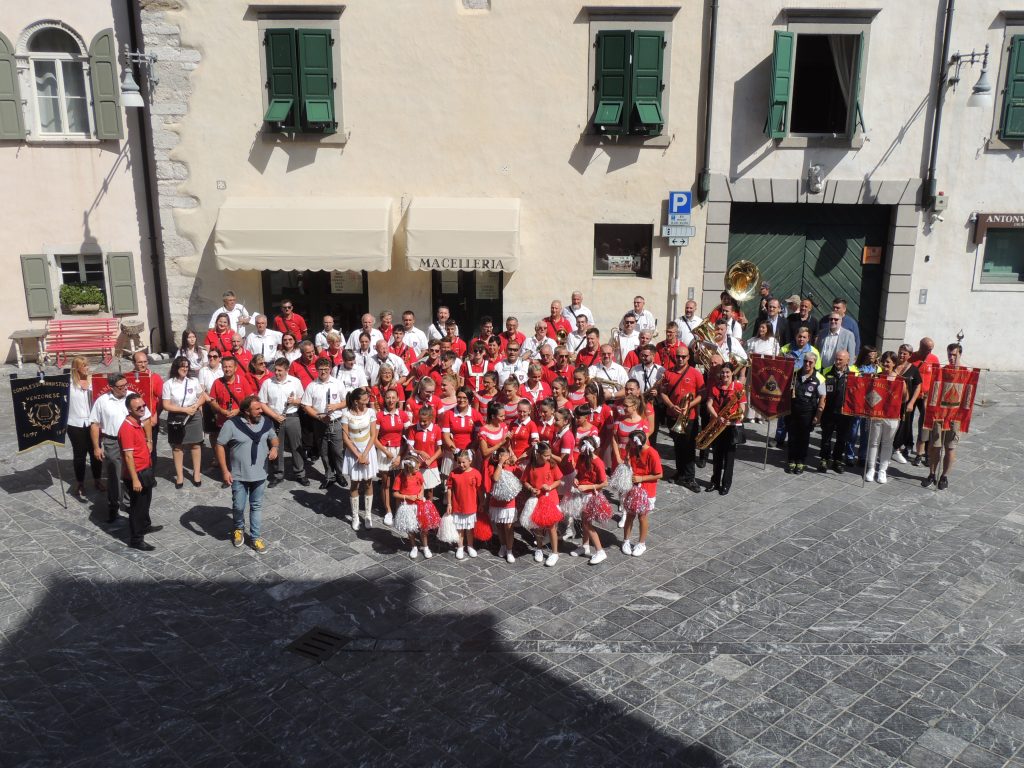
1012, 123
629, 81
300, 81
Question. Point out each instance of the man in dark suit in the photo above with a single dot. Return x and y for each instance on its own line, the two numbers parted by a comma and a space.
804, 318
773, 316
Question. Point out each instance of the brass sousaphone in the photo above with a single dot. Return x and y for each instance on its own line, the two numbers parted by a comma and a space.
741, 282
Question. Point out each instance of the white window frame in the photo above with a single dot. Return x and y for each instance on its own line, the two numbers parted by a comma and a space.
979, 268
27, 61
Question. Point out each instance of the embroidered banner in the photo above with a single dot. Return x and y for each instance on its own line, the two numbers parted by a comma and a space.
770, 390
40, 410
874, 397
951, 398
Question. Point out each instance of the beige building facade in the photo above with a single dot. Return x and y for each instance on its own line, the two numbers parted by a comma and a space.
73, 210
452, 156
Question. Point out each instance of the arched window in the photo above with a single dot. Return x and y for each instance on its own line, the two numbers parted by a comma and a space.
57, 70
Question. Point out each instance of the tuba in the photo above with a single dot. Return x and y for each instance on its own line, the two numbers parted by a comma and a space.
741, 283
732, 409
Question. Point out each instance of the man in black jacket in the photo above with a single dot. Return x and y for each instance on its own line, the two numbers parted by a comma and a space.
833, 422
773, 316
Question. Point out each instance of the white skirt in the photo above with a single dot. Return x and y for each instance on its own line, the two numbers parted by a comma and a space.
356, 471
464, 522
431, 478
383, 462
447, 462
502, 515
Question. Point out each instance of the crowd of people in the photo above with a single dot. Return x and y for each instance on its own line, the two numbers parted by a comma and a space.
470, 441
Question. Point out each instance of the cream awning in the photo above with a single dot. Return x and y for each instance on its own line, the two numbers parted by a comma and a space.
321, 233
463, 233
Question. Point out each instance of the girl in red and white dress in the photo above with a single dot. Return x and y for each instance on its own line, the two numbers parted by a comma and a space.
560, 393
423, 440
541, 479
510, 397
483, 398
631, 421
386, 382
408, 489
449, 383
591, 479
458, 427
535, 388
546, 428
600, 417
577, 392
646, 407
493, 433
502, 512
464, 489
584, 426
646, 465
392, 422
423, 395
522, 432
564, 449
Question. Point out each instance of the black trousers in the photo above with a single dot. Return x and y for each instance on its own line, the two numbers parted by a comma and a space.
724, 454
904, 438
799, 436
81, 447
839, 425
138, 511
702, 415
685, 444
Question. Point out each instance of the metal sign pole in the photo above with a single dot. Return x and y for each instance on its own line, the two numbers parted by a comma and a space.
767, 430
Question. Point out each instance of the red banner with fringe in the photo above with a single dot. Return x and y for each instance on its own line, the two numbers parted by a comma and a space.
770, 380
873, 397
951, 398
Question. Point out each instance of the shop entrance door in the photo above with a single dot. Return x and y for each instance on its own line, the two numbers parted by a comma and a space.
342, 295
470, 296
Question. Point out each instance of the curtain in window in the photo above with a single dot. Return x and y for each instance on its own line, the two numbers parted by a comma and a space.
844, 55
48, 97
74, 97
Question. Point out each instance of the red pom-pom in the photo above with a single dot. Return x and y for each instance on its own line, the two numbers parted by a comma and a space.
427, 515
597, 509
637, 502
547, 513
482, 531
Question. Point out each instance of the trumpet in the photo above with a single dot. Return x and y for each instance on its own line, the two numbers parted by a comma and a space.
561, 335
732, 409
684, 415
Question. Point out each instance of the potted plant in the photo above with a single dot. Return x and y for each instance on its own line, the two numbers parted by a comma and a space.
81, 299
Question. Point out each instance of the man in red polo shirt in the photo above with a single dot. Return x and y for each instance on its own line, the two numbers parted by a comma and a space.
590, 355
150, 393
304, 367
556, 322
137, 473
667, 348
229, 391
926, 363
289, 322
681, 382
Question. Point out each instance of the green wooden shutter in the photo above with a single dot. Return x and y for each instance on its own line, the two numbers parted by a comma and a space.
855, 116
106, 93
612, 70
782, 78
316, 80
121, 284
35, 273
282, 79
1012, 126
647, 82
12, 125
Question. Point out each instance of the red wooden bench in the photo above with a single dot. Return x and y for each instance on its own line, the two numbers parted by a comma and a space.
87, 335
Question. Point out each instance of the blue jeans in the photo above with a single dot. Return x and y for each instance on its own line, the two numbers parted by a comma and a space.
248, 492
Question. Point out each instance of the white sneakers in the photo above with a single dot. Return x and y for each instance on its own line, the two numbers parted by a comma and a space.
538, 555
460, 554
413, 553
639, 549
510, 558
627, 548
882, 477
869, 476
552, 559
389, 518
598, 557
898, 457
470, 551
583, 551
427, 554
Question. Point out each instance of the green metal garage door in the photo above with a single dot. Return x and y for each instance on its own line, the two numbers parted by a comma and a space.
815, 250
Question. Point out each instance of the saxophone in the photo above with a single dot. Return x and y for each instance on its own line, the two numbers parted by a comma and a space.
732, 409
684, 415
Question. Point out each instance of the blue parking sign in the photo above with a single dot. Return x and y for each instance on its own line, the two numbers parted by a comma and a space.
679, 202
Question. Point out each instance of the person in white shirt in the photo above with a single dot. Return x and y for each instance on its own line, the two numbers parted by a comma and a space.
644, 319
437, 328
263, 341
323, 401
575, 308
613, 376
688, 322
512, 365
182, 398
348, 374
363, 351
210, 372
628, 338
281, 396
577, 340
367, 321
320, 340
237, 314
108, 413
414, 337
79, 408
729, 347
381, 356
647, 372
532, 346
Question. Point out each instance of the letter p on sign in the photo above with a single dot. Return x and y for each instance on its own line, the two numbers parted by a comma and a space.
679, 202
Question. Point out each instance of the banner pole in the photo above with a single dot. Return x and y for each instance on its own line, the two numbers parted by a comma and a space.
60, 480
767, 430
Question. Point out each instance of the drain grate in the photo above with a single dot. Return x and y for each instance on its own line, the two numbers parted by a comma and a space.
318, 644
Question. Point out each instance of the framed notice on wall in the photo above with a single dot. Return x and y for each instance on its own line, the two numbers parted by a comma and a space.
449, 282
348, 281
488, 285
872, 254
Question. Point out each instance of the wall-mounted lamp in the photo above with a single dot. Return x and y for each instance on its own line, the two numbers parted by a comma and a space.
815, 179
131, 94
981, 93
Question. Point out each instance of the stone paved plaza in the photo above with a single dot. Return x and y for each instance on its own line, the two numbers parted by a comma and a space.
801, 621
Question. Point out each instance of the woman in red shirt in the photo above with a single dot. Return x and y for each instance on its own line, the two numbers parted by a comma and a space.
591, 479
577, 392
502, 513
630, 422
392, 422
584, 426
464, 486
386, 382
219, 337
523, 431
541, 480
457, 429
600, 417
646, 465
489, 391
510, 397
408, 489
449, 384
535, 388
546, 420
560, 393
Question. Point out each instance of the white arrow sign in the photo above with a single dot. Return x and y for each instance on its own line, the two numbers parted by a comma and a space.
679, 242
